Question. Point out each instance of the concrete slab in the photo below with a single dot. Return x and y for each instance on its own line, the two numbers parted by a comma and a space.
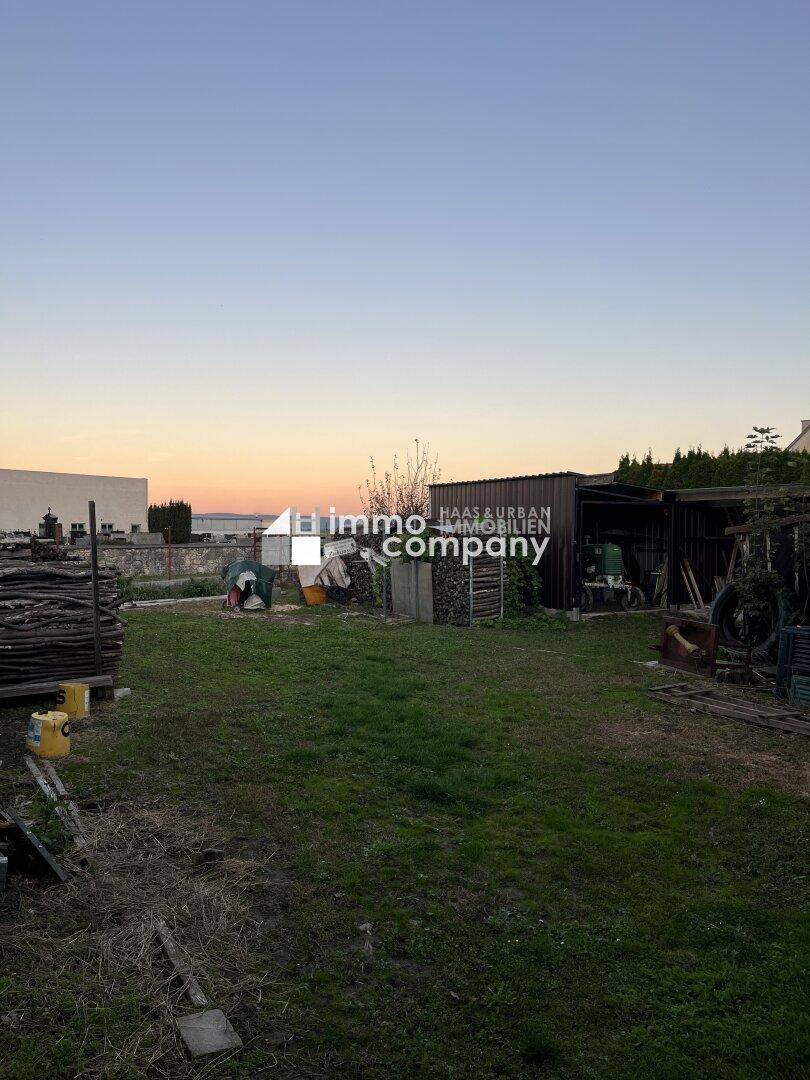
207, 1032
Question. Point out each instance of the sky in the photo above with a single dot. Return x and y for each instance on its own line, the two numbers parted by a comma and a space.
244, 247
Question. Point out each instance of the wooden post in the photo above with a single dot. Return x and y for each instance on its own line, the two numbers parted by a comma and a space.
502, 568
472, 621
91, 508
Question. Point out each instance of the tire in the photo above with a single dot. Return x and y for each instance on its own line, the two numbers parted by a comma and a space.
622, 598
585, 599
723, 614
635, 599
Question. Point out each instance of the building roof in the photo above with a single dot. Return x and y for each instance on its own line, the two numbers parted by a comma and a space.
802, 437
230, 517
504, 479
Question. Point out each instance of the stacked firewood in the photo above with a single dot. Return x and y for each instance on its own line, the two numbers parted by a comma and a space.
46, 621
451, 589
362, 585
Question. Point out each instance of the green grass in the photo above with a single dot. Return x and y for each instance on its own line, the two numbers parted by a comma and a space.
543, 902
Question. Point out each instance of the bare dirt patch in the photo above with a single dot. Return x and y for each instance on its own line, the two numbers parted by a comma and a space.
733, 753
97, 933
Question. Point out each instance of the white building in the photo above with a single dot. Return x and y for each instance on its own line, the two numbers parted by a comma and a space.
230, 524
215, 525
121, 501
802, 440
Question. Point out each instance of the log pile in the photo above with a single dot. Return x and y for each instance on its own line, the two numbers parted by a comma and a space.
46, 621
451, 589
362, 585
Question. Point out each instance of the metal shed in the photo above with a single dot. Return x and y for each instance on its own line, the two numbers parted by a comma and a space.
669, 524
555, 491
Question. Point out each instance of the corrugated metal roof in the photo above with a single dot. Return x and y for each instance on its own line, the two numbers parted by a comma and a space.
504, 479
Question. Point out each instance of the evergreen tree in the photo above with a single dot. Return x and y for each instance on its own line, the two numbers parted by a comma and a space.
174, 515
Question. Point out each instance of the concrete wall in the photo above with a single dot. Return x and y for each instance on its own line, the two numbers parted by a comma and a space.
187, 559
412, 589
25, 496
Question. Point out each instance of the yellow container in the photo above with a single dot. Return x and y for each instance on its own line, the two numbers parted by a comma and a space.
49, 734
74, 699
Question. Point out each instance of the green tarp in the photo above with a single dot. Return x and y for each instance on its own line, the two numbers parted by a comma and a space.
262, 586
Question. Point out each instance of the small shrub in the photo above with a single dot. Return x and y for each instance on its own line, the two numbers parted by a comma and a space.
173, 590
524, 586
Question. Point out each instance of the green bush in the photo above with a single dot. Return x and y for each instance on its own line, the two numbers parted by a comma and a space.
177, 589
524, 586
174, 515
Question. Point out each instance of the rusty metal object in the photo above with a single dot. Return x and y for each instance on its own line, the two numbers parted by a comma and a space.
689, 645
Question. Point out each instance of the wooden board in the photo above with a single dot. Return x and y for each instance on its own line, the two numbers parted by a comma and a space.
38, 689
705, 699
35, 847
191, 988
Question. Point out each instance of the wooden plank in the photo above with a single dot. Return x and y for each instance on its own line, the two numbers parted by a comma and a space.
74, 826
692, 599
191, 987
50, 686
693, 580
36, 847
735, 709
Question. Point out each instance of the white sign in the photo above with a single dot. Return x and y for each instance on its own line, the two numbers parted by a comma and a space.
339, 547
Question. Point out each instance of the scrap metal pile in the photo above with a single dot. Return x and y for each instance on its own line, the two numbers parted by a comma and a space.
46, 621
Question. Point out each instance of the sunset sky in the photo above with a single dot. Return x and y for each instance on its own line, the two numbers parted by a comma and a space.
245, 246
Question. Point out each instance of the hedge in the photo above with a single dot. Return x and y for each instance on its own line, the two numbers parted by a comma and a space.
174, 515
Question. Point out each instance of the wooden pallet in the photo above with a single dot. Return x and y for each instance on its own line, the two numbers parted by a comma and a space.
50, 686
708, 700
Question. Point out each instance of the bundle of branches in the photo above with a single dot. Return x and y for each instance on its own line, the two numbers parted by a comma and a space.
46, 622
17, 546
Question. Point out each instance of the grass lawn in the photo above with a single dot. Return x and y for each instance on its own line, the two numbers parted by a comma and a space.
462, 853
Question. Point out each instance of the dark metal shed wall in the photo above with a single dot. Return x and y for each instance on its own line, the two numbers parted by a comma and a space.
701, 539
557, 491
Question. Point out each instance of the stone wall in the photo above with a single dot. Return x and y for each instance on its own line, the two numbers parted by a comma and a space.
154, 561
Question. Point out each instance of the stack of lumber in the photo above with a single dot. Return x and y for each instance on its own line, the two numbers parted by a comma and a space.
46, 622
486, 578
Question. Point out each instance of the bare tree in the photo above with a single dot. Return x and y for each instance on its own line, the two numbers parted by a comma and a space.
402, 489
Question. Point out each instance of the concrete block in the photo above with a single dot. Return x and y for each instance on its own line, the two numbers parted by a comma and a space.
207, 1032
3, 871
